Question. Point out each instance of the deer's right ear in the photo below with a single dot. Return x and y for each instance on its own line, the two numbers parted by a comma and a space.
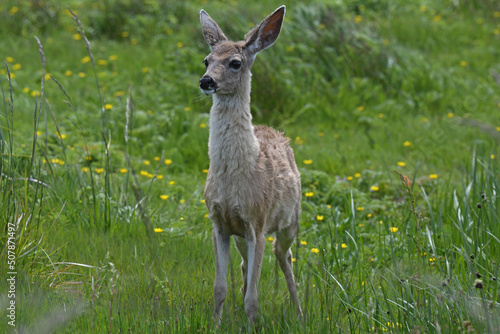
211, 31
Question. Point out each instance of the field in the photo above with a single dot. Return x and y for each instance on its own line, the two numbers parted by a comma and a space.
393, 111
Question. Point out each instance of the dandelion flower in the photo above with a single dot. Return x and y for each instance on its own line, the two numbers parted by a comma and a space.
203, 125
360, 108
432, 259
143, 173
113, 57
168, 161
180, 45
315, 250
26, 90
270, 239
344, 246
102, 62
360, 208
450, 115
9, 59
423, 8
164, 197
182, 201
61, 136
123, 170
158, 230
349, 178
358, 18
302, 242
13, 10
407, 144
16, 67
319, 218
85, 60
108, 106
146, 162
492, 156
82, 75
145, 70
374, 188
85, 169
357, 175
77, 37
99, 170
309, 194
125, 34
39, 133
393, 229
159, 177
171, 183
433, 176
308, 162
68, 73
205, 171
294, 259
498, 127
34, 93
401, 164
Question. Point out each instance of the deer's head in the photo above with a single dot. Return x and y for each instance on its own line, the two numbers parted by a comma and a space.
228, 65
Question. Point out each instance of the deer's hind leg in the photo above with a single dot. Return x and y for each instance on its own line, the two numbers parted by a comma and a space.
242, 247
281, 248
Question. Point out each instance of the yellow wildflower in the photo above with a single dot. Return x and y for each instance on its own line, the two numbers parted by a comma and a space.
9, 59
203, 125
358, 18
125, 34
302, 242
433, 176
315, 250
270, 239
102, 62
164, 197
450, 115
319, 218
309, 194
108, 106
407, 144
308, 162
16, 67
357, 175
99, 170
143, 173
159, 177
401, 164
344, 246
146, 162
26, 90
123, 170
492, 156
360, 208
113, 57
85, 169
68, 73
13, 10
349, 178
171, 183
77, 37
85, 60
158, 230
360, 108
82, 75
168, 161
393, 229
205, 171
374, 188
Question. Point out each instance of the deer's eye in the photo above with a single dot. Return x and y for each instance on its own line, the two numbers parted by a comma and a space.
205, 62
235, 64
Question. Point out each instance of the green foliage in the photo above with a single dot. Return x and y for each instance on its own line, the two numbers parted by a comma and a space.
101, 182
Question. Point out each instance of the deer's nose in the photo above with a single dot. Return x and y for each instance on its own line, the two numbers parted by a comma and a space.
207, 83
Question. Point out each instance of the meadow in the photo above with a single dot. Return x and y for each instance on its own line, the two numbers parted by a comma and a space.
393, 111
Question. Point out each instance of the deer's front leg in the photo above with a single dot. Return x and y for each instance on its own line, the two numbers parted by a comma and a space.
221, 243
256, 243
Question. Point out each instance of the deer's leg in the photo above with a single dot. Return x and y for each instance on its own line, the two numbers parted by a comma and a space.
241, 245
281, 248
221, 249
256, 243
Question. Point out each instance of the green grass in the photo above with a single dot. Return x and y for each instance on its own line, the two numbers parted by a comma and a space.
118, 148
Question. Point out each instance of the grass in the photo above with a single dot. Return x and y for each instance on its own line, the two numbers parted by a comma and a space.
393, 113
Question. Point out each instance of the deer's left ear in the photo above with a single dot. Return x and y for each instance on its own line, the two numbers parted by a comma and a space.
266, 33
211, 31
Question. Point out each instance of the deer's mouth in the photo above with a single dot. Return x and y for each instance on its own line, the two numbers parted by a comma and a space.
208, 91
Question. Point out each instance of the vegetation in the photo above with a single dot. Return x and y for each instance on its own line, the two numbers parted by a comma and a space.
393, 110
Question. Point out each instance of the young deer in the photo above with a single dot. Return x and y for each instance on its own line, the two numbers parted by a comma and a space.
253, 184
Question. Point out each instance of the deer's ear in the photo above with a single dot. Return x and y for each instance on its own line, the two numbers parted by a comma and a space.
265, 34
211, 31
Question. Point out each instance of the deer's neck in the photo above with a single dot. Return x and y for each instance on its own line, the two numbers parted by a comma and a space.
233, 147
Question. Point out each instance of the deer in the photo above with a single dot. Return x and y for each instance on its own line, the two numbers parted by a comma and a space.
253, 186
